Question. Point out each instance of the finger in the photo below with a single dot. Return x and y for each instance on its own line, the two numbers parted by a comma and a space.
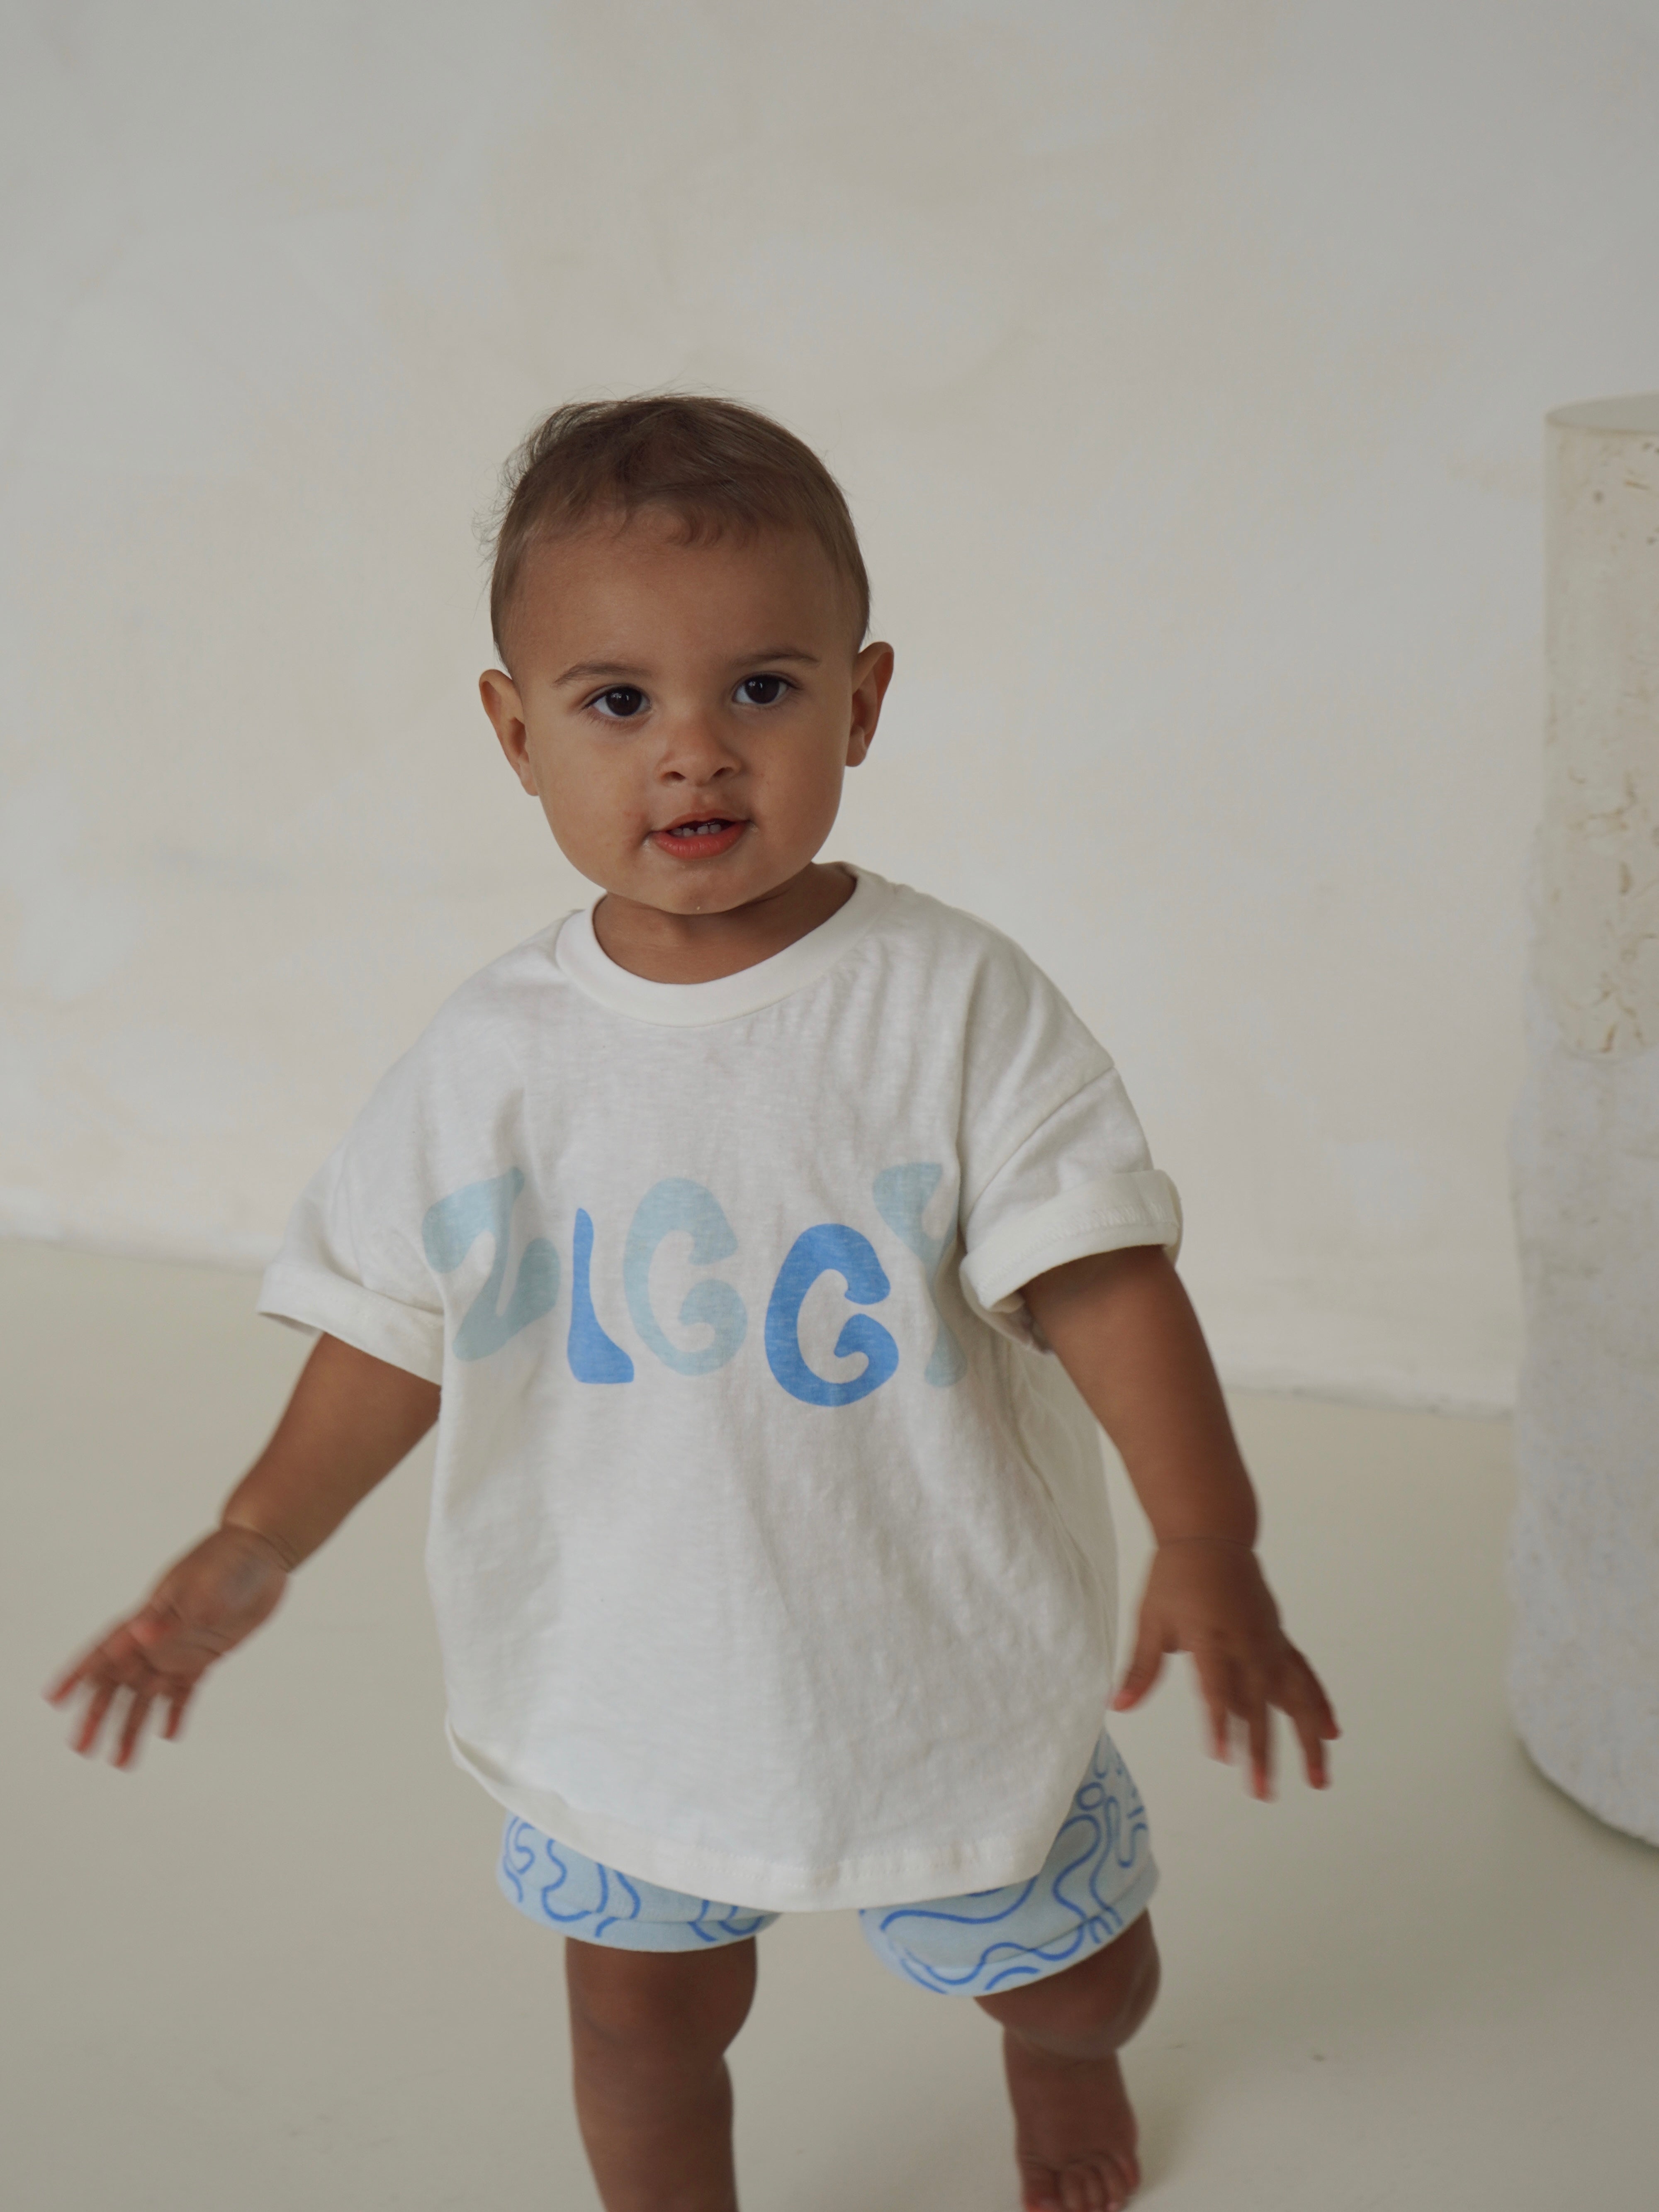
1214, 1689
1258, 1725
1313, 1752
1327, 1723
65, 1686
178, 1705
89, 1666
1329, 1727
1309, 1714
137, 1712
103, 1696
1144, 1669
92, 1664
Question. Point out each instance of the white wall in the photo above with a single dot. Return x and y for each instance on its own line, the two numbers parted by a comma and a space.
1184, 365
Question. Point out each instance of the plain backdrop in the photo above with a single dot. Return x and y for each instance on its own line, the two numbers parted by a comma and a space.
1184, 366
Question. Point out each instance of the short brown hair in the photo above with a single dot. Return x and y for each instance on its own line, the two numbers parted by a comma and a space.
713, 464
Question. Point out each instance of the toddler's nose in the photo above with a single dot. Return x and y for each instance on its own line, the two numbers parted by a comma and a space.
697, 750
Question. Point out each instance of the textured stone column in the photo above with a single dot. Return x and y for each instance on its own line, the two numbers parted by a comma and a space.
1585, 1668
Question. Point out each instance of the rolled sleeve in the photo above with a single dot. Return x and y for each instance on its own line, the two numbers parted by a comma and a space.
1138, 1206
351, 1263
407, 1336
1056, 1164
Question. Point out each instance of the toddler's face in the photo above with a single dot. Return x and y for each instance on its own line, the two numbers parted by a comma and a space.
686, 713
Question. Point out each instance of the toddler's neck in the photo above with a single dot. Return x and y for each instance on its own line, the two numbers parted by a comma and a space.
699, 948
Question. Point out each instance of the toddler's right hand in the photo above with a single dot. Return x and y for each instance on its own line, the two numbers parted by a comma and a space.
203, 1606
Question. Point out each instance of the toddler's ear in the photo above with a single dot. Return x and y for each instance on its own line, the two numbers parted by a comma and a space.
500, 695
873, 671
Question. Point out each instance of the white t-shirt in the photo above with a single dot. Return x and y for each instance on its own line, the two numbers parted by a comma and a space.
771, 1557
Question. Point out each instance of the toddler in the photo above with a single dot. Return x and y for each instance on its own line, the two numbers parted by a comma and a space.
766, 1242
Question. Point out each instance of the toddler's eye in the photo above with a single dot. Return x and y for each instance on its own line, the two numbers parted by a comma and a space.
763, 690
620, 703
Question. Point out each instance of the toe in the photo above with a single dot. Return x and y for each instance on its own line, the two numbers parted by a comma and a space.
1102, 2185
1040, 2187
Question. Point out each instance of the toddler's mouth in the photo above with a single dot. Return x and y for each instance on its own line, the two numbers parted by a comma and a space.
700, 836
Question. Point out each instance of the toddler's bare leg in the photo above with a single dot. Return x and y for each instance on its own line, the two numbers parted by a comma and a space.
648, 2034
1074, 2128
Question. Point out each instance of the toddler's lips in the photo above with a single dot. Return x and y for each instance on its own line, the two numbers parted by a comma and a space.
703, 838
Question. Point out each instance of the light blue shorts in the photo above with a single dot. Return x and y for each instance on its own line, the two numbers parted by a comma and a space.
1099, 1877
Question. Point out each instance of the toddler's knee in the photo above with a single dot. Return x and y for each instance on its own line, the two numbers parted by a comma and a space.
667, 2008
1095, 2005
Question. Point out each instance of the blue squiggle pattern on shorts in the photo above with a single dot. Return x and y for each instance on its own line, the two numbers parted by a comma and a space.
1099, 1876
551, 1882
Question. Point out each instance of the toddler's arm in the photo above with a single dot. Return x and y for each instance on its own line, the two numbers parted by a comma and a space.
350, 1420
1126, 1334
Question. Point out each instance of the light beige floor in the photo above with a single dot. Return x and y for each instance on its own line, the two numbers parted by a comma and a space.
270, 1969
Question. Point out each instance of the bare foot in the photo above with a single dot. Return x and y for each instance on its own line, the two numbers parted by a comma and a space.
1074, 2131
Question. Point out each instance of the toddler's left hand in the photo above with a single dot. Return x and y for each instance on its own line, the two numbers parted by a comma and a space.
1208, 1596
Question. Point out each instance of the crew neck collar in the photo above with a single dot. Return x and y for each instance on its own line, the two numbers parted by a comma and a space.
581, 958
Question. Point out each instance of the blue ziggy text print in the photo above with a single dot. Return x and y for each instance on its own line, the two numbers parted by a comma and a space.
830, 1249
673, 1206
593, 1355
448, 1233
678, 1207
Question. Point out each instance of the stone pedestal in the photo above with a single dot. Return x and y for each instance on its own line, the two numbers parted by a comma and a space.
1585, 1668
